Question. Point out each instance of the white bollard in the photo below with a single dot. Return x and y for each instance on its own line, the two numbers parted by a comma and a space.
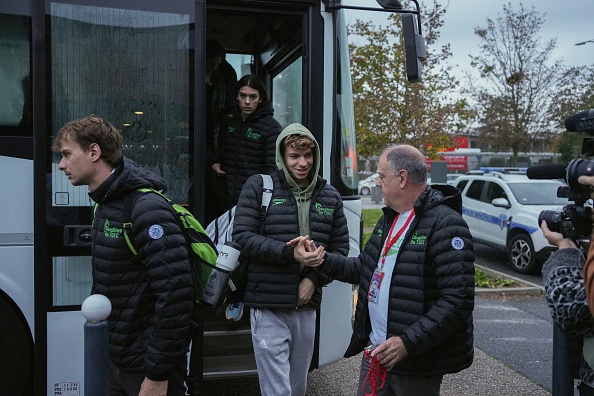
96, 308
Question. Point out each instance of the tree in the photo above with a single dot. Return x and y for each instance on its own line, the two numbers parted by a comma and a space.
520, 82
574, 96
389, 109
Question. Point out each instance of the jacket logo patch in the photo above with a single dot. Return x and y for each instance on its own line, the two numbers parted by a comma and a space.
457, 243
324, 211
278, 201
380, 232
111, 232
417, 239
251, 134
156, 231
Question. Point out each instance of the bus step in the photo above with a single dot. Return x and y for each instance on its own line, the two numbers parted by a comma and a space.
229, 366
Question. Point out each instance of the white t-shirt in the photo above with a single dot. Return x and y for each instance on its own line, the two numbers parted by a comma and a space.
378, 312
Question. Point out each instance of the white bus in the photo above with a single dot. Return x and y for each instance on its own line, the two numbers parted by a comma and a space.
140, 65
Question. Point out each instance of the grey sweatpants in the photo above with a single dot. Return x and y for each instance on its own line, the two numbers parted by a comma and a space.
283, 346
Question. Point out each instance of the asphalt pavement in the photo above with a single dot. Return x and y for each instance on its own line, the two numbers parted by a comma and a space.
487, 376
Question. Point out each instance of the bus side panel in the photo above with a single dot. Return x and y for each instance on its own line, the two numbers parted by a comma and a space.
65, 353
336, 311
16, 234
16, 279
16, 198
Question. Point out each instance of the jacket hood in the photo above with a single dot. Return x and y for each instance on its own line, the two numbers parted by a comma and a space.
298, 129
434, 194
126, 178
440, 194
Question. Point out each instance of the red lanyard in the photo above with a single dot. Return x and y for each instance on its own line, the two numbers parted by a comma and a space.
391, 242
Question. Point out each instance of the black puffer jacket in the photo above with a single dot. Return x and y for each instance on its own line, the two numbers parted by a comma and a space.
151, 298
273, 274
247, 147
432, 287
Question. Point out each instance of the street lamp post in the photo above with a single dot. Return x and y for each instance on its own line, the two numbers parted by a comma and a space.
584, 42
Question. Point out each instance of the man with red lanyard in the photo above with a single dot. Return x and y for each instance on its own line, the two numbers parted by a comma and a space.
416, 282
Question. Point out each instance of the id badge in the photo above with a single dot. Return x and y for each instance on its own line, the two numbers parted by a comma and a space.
374, 288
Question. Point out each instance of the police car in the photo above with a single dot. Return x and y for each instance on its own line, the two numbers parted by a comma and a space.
502, 210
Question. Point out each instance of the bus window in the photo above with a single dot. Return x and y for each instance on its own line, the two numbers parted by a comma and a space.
287, 94
15, 95
132, 68
346, 124
242, 63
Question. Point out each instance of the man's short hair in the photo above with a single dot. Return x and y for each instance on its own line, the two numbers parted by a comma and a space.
402, 156
92, 129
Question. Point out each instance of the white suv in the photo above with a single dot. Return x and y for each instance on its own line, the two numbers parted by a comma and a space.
502, 210
365, 185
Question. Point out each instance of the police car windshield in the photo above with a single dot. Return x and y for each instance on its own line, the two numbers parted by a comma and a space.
537, 193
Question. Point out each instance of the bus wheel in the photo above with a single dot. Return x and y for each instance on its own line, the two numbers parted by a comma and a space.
15, 351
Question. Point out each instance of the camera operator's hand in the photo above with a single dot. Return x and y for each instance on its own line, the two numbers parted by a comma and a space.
556, 238
587, 181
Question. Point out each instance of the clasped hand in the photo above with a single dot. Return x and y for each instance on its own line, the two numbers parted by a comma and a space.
306, 252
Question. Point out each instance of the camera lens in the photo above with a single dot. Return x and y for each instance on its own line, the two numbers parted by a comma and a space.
577, 168
552, 218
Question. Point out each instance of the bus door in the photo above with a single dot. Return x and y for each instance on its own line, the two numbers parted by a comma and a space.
284, 44
131, 63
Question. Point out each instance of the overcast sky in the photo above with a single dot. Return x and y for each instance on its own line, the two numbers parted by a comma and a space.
570, 21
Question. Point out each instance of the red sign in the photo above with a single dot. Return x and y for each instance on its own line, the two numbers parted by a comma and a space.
453, 162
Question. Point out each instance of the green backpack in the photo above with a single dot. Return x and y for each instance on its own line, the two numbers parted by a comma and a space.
201, 250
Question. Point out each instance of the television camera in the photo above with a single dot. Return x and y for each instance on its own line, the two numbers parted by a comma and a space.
575, 220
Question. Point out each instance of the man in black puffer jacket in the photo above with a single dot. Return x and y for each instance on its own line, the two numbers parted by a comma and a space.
152, 295
416, 281
282, 294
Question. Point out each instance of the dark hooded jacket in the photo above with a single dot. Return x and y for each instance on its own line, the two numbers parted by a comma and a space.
431, 290
247, 147
273, 275
152, 295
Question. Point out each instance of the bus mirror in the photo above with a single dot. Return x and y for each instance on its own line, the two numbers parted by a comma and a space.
390, 4
414, 46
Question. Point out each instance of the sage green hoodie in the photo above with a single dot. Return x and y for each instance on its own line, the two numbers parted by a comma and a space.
302, 196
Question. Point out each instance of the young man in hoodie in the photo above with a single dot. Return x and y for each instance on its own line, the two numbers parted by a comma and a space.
283, 295
151, 295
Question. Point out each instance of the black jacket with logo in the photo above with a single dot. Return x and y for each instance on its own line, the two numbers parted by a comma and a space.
152, 296
273, 274
431, 290
247, 147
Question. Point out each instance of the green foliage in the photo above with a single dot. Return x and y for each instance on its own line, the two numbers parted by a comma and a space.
570, 146
575, 95
481, 279
389, 109
370, 218
366, 236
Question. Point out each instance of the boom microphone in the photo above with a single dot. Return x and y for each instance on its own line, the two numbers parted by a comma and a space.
555, 171
580, 122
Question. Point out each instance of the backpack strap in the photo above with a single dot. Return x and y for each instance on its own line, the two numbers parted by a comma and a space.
267, 190
129, 201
